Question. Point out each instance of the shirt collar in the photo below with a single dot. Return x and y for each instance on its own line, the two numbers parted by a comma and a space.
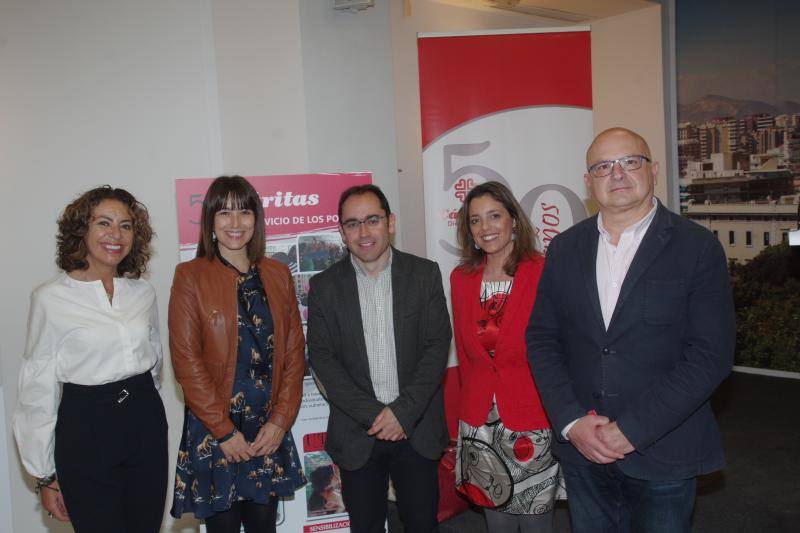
637, 228
360, 271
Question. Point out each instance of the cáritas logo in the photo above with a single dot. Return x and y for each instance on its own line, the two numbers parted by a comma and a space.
288, 199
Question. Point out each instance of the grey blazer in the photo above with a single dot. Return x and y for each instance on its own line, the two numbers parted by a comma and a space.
669, 344
338, 356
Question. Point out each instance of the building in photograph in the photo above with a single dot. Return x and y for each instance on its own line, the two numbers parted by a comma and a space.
746, 228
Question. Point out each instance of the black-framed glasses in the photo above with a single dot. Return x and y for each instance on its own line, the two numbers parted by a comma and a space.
353, 225
601, 169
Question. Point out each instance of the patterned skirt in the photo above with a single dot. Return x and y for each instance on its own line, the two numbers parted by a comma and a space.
508, 471
206, 484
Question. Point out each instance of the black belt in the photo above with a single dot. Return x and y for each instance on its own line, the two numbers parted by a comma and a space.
119, 390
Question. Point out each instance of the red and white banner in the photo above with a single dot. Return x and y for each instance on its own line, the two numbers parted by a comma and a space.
510, 106
300, 212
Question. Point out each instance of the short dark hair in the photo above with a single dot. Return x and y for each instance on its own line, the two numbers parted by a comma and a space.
74, 223
524, 241
242, 195
358, 190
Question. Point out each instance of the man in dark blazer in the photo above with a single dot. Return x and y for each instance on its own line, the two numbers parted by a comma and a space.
378, 338
632, 330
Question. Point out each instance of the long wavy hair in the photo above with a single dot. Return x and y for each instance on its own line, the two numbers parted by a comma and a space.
524, 237
74, 223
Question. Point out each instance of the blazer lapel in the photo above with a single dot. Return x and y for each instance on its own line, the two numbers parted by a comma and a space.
351, 309
521, 290
472, 288
588, 262
400, 288
654, 241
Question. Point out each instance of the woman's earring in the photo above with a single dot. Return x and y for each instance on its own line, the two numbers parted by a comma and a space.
213, 237
475, 244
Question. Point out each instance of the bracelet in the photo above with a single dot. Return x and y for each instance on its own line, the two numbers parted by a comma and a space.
45, 482
228, 437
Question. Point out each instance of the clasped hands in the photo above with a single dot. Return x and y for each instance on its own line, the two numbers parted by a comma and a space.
386, 426
599, 440
237, 449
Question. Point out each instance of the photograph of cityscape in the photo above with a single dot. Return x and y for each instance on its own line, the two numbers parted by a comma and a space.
738, 138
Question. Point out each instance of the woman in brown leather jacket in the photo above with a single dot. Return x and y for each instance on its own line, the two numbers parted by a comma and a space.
237, 349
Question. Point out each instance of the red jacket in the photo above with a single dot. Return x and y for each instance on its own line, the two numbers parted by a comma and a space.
507, 377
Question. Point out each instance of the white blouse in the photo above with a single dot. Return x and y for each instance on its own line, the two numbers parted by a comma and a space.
76, 336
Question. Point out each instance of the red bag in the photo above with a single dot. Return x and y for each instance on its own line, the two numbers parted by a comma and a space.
451, 502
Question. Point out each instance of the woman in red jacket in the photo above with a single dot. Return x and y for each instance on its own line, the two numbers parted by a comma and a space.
504, 461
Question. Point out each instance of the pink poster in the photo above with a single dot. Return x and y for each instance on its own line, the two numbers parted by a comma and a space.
293, 204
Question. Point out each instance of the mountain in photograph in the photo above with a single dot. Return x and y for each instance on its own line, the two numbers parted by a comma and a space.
714, 106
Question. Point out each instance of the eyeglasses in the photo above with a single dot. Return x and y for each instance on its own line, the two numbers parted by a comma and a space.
372, 221
601, 169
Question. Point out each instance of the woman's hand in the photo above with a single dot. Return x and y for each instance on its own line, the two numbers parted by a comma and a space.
236, 449
268, 439
53, 501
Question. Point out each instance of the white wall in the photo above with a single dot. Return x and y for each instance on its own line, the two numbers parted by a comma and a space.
94, 92
347, 75
261, 93
627, 80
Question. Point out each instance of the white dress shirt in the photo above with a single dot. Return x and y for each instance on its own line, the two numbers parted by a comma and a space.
76, 336
613, 261
612, 264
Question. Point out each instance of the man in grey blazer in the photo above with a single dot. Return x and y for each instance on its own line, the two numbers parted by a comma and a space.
632, 330
378, 338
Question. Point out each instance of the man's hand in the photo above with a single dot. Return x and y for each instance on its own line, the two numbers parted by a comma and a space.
268, 439
386, 426
614, 439
53, 501
584, 436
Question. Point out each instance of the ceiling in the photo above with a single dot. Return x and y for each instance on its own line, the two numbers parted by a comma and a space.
564, 10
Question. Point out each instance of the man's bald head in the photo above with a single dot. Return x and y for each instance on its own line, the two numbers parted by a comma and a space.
613, 135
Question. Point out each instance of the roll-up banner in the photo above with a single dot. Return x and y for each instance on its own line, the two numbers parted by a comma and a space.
301, 216
513, 106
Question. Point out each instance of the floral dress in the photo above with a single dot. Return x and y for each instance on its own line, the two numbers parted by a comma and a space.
205, 483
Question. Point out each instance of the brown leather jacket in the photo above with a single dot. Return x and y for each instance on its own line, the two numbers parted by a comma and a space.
203, 339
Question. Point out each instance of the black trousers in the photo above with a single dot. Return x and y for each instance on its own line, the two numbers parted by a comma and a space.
416, 485
111, 456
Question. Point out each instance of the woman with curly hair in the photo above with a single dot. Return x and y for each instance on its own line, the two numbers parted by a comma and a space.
89, 422
504, 459
237, 349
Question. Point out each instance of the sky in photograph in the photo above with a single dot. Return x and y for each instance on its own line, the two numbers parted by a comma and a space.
743, 49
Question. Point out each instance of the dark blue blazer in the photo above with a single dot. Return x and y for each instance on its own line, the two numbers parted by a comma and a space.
668, 346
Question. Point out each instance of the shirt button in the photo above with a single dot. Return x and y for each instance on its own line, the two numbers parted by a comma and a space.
606, 351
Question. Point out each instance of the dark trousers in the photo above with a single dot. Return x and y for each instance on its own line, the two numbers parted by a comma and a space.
603, 499
416, 485
111, 456
255, 517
